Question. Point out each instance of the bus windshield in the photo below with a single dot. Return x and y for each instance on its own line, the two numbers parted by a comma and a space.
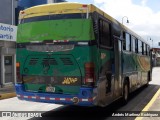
53, 17
63, 29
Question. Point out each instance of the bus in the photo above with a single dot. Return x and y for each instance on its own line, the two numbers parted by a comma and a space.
76, 54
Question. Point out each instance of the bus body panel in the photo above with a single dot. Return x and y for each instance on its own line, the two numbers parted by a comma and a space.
137, 68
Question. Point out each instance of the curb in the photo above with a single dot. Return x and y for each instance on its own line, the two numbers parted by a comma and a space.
7, 95
146, 108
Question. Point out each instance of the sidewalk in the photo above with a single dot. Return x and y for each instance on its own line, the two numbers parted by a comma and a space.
7, 91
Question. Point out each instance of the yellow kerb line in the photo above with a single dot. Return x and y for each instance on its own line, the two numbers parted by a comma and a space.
149, 104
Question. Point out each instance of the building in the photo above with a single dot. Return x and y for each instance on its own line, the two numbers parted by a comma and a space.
57, 1
8, 32
23, 4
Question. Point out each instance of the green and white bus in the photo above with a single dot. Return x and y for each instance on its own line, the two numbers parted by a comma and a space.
76, 54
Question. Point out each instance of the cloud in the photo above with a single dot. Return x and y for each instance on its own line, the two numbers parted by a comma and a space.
143, 2
143, 20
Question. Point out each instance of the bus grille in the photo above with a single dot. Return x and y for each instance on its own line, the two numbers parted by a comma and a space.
33, 61
66, 61
50, 61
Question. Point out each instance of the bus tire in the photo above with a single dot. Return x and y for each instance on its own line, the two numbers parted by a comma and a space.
148, 79
125, 92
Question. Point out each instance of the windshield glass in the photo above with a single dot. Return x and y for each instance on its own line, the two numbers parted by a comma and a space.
53, 17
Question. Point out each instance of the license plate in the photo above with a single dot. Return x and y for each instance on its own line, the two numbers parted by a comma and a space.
50, 89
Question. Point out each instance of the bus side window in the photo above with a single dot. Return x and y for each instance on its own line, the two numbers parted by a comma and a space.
148, 52
140, 47
144, 48
124, 41
105, 33
128, 42
133, 44
136, 45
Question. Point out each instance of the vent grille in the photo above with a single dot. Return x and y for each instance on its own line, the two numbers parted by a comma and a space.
50, 61
33, 61
66, 61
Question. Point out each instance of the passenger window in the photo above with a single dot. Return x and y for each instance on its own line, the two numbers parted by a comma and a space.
105, 34
124, 41
136, 45
128, 42
148, 48
140, 47
133, 44
144, 48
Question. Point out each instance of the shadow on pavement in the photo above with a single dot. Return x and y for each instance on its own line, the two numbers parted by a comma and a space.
102, 113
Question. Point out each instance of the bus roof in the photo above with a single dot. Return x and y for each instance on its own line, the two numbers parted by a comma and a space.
70, 7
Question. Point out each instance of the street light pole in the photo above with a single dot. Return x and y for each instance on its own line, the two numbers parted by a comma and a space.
125, 17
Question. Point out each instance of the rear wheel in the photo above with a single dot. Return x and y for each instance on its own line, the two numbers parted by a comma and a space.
148, 79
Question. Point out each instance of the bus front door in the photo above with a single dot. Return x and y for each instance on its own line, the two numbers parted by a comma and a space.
118, 67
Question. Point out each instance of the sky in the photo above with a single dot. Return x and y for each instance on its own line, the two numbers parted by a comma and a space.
143, 15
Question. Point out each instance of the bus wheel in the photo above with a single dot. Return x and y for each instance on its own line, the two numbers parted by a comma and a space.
125, 92
148, 79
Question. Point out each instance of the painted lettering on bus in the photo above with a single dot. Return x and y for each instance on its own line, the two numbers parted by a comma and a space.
69, 80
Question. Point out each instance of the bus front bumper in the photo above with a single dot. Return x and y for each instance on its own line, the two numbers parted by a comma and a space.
80, 99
